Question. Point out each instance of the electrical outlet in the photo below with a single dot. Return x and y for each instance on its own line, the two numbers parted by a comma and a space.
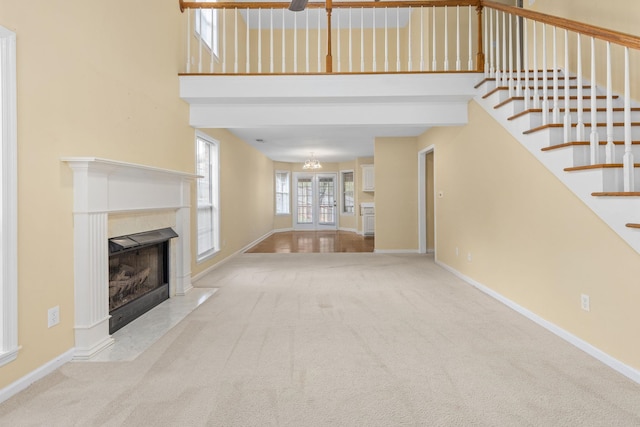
53, 316
585, 303
469, 257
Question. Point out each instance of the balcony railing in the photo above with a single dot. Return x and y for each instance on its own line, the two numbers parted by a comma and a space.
345, 37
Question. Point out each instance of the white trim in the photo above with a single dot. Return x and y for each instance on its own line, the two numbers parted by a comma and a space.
9, 202
341, 184
33, 376
626, 370
215, 198
280, 230
351, 230
275, 182
396, 251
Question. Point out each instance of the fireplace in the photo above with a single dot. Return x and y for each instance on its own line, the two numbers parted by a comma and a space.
138, 275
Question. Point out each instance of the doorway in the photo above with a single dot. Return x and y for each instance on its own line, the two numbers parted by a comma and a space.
315, 203
426, 201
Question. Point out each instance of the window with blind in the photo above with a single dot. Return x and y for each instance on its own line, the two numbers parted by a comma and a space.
207, 194
348, 200
282, 193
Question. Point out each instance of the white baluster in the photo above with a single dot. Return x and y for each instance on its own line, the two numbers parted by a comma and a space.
398, 38
362, 39
492, 69
580, 134
627, 159
536, 94
470, 61
458, 63
350, 43
567, 90
189, 13
511, 82
446, 38
545, 83
505, 66
306, 32
224, 40
235, 41
259, 40
248, 56
200, 45
386, 41
421, 38
284, 63
594, 137
373, 33
295, 42
271, 64
610, 147
527, 84
556, 96
409, 65
211, 52
518, 58
487, 48
339, 43
497, 42
434, 61
319, 48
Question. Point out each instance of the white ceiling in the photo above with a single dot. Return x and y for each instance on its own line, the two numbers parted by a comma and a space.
328, 143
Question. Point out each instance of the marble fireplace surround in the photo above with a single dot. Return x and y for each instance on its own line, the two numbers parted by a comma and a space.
104, 188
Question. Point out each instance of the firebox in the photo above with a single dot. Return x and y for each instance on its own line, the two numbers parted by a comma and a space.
138, 274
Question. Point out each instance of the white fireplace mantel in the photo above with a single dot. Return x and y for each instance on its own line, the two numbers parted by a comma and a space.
102, 187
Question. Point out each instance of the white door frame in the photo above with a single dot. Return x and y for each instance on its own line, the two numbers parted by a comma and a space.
315, 225
422, 199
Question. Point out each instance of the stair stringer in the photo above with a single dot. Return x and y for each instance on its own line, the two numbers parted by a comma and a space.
616, 212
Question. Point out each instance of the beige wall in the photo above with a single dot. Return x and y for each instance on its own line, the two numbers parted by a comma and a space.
530, 238
618, 15
90, 83
396, 194
246, 197
96, 80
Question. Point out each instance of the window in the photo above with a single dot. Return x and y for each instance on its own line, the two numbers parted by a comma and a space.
206, 27
8, 200
282, 193
348, 201
208, 210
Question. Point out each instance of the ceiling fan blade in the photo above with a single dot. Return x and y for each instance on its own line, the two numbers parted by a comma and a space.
298, 5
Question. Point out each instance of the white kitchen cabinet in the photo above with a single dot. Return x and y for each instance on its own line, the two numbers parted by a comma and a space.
368, 178
367, 210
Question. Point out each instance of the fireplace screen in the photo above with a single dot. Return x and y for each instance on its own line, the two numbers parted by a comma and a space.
133, 274
138, 275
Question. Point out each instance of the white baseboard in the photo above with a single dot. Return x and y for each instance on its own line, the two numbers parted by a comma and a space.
395, 251
222, 262
279, 230
33, 376
626, 370
350, 230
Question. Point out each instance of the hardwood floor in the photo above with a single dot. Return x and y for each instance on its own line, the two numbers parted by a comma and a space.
314, 241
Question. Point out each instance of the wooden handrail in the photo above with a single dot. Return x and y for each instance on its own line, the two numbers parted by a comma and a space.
605, 34
321, 5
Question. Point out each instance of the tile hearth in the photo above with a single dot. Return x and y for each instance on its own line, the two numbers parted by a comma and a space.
137, 336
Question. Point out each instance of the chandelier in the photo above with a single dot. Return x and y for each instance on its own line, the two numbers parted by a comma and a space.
312, 163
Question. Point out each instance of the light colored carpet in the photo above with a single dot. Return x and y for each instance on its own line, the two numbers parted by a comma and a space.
339, 340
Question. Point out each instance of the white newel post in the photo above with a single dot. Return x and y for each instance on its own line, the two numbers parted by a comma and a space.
101, 187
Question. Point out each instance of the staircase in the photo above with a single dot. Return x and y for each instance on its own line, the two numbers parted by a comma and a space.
596, 181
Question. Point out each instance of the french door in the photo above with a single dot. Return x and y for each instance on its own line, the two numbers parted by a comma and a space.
315, 206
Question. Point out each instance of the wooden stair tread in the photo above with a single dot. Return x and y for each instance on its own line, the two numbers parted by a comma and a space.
584, 143
599, 166
632, 225
616, 194
572, 110
559, 125
499, 88
521, 98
